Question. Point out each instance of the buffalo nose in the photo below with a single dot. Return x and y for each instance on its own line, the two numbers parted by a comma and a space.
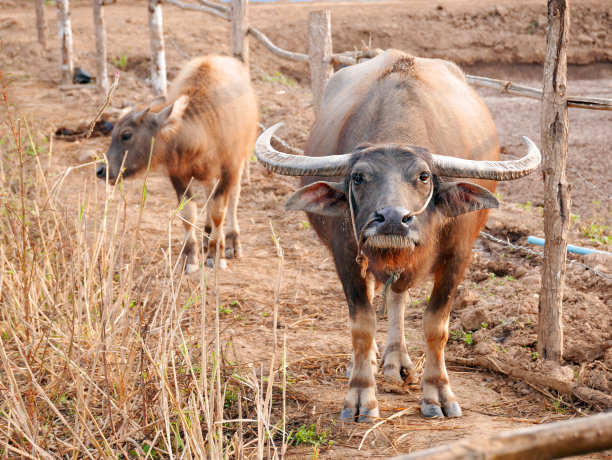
101, 172
394, 216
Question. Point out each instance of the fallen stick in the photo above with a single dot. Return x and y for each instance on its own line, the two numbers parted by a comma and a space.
550, 440
588, 395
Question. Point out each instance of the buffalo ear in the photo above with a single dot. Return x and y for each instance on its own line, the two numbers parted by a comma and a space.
456, 198
324, 198
168, 119
124, 111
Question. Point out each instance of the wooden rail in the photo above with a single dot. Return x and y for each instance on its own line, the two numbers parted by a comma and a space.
508, 87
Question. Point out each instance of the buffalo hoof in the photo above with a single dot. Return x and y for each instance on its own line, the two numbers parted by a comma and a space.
210, 263
233, 248
187, 265
431, 410
393, 377
393, 373
191, 268
349, 414
360, 404
233, 253
452, 410
396, 363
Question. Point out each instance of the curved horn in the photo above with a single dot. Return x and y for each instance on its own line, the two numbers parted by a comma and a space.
492, 170
139, 116
296, 165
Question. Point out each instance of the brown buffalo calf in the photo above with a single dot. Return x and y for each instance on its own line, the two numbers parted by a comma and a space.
205, 133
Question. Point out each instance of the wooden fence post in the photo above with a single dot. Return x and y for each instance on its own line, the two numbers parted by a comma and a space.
240, 25
41, 26
320, 54
557, 204
239, 40
65, 37
101, 70
158, 55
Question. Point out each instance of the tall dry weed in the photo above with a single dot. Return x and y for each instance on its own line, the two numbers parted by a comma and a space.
105, 350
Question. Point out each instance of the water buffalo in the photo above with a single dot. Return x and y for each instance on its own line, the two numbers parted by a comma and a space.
392, 132
206, 132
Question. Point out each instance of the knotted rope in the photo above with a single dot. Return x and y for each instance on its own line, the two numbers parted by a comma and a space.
361, 258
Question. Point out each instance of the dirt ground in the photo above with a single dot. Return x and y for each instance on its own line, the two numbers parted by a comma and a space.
495, 312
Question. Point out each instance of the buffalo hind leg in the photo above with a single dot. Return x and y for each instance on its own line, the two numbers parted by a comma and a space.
233, 249
189, 215
396, 363
217, 208
207, 218
438, 398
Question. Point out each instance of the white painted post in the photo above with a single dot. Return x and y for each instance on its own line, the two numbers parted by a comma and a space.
100, 32
320, 54
158, 55
39, 5
65, 38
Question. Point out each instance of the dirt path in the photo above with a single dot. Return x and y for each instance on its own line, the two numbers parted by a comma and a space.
501, 287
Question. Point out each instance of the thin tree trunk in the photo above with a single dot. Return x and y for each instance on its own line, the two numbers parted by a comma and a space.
239, 42
557, 202
101, 70
240, 25
158, 55
320, 53
65, 39
551, 440
41, 26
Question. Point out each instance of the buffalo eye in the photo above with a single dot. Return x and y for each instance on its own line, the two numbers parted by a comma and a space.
424, 177
357, 178
126, 137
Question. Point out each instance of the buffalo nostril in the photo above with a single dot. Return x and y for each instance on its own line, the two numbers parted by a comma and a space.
407, 219
101, 172
378, 217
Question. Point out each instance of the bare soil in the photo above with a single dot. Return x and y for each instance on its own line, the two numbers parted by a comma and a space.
495, 312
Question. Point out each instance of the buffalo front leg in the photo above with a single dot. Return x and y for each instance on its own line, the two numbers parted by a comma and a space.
396, 363
189, 215
370, 290
438, 398
360, 403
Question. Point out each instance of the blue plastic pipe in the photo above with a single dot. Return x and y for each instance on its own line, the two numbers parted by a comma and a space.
570, 248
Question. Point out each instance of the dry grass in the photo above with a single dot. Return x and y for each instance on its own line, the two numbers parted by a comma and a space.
106, 351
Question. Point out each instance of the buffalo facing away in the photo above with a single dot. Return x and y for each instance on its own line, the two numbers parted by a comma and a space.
391, 134
205, 133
